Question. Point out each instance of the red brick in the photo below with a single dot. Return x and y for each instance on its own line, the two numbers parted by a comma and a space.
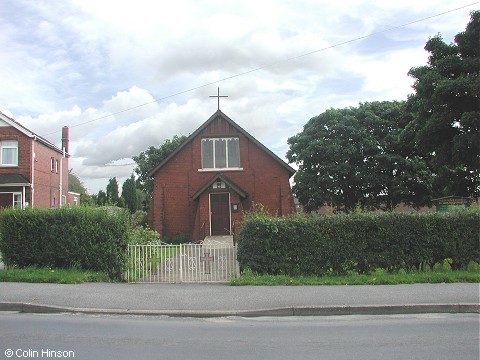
173, 210
45, 189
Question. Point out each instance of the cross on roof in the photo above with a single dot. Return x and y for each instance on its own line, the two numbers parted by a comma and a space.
218, 96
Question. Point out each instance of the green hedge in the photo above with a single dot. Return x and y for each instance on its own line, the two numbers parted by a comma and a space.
82, 237
337, 244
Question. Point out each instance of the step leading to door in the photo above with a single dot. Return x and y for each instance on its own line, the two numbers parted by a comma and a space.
224, 240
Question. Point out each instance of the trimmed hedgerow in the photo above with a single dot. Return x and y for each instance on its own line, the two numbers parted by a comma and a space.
359, 243
81, 237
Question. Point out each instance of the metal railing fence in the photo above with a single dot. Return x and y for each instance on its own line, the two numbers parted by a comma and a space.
160, 263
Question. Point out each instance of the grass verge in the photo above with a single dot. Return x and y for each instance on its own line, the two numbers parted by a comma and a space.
250, 278
45, 275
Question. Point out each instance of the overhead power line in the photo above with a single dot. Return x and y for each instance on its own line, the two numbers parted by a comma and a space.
269, 66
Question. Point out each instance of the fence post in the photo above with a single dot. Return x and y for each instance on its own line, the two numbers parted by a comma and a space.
181, 262
237, 264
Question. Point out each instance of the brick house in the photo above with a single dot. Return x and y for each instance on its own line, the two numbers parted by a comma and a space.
206, 184
33, 171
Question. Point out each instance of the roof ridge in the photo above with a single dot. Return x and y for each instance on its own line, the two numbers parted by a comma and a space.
29, 132
216, 115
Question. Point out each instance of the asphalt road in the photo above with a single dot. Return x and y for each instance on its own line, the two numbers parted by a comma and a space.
427, 336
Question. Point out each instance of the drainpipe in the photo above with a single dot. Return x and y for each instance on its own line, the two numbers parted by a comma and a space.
32, 176
61, 177
65, 150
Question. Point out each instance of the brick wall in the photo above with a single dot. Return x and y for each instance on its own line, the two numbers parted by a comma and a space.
47, 181
46, 186
24, 152
173, 211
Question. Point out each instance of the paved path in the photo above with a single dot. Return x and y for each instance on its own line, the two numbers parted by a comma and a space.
224, 300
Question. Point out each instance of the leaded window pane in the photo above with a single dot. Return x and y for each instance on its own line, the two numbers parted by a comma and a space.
220, 153
207, 153
233, 153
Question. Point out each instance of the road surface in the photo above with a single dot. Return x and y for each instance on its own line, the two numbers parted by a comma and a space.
427, 336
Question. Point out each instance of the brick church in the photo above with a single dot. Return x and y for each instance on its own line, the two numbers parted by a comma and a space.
203, 187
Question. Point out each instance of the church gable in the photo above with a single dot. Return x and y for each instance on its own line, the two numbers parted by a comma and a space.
220, 125
206, 184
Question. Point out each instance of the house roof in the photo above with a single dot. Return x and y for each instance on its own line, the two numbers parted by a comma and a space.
219, 177
215, 116
29, 133
13, 180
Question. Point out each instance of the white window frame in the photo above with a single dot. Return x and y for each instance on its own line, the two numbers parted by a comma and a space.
9, 144
19, 198
227, 167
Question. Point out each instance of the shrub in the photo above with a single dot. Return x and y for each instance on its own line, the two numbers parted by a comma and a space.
176, 239
139, 236
82, 237
357, 243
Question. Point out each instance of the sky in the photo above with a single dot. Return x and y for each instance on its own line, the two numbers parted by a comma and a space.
127, 75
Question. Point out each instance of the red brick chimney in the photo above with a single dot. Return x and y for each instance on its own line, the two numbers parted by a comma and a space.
65, 138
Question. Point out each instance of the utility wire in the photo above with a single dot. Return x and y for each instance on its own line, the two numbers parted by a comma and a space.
270, 65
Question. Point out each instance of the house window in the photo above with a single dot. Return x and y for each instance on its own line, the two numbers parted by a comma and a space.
56, 166
52, 164
9, 153
220, 153
17, 200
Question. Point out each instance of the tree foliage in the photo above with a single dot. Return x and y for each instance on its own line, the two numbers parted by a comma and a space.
112, 191
129, 194
101, 198
148, 159
381, 154
76, 185
447, 112
354, 156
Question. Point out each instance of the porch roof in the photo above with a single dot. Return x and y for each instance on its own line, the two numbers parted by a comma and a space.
13, 180
242, 193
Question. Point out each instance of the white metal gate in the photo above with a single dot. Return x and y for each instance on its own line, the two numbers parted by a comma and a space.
181, 263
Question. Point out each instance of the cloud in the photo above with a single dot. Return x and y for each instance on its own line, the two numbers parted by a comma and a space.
92, 65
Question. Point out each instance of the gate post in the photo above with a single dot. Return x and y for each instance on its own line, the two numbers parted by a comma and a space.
181, 262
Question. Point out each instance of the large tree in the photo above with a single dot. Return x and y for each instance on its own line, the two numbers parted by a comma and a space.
76, 185
129, 193
101, 198
354, 156
446, 110
148, 159
112, 191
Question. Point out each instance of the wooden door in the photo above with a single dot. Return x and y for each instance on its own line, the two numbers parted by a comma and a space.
220, 214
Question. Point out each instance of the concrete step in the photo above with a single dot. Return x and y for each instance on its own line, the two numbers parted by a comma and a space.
225, 240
